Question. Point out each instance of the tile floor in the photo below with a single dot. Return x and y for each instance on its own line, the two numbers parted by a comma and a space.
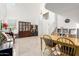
28, 46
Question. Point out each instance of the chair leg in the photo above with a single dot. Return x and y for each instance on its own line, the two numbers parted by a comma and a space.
48, 51
44, 50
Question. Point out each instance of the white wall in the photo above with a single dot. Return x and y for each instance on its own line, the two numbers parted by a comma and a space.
47, 26
61, 22
63, 11
24, 12
3, 11
29, 12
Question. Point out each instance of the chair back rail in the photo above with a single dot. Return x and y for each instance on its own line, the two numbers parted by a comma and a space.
48, 44
67, 46
48, 41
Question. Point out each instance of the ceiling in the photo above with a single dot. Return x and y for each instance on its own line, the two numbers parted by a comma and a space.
70, 10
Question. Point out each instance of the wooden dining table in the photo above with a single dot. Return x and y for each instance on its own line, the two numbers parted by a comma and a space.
74, 39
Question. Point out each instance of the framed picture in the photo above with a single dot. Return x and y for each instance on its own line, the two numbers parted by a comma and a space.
65, 31
59, 31
73, 31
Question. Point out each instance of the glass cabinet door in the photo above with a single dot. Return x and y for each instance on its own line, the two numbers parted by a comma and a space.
24, 26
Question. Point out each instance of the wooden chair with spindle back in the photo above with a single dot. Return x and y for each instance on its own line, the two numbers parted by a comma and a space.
67, 48
48, 44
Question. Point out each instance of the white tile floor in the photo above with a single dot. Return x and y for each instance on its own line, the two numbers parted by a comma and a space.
29, 46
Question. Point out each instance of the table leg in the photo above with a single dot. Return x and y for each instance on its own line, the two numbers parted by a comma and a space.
41, 47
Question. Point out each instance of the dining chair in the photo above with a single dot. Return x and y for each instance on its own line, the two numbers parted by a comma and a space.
66, 47
48, 45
